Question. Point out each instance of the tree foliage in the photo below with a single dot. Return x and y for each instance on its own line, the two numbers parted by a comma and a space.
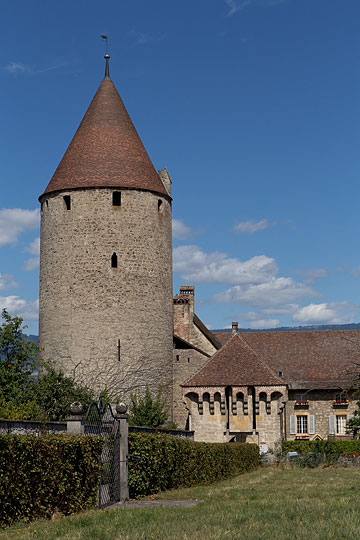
22, 395
148, 410
17, 359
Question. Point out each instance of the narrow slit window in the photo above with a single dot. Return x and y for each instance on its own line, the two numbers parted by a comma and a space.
160, 205
116, 198
67, 202
114, 260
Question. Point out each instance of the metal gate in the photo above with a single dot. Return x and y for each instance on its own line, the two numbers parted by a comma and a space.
101, 422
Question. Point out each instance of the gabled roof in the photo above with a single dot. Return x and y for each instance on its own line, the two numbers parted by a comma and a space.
106, 150
310, 359
235, 364
306, 360
180, 343
210, 336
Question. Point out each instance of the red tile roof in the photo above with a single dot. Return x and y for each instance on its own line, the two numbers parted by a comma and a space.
314, 359
106, 150
236, 364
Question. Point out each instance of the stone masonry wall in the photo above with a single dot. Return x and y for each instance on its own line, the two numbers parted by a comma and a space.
321, 406
186, 362
86, 306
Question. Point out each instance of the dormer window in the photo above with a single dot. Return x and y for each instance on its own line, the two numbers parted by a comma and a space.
116, 198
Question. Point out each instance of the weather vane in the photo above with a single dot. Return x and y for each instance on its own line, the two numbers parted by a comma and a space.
107, 70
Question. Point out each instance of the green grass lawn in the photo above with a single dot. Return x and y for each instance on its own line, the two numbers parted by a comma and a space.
271, 503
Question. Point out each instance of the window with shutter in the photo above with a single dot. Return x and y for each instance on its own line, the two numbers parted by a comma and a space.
311, 424
292, 424
332, 424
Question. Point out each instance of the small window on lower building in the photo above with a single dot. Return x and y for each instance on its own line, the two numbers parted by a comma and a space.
302, 424
341, 420
116, 198
340, 398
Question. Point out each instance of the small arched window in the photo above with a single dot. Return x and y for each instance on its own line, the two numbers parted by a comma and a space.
114, 261
160, 203
116, 198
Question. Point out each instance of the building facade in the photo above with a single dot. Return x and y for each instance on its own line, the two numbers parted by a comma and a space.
109, 320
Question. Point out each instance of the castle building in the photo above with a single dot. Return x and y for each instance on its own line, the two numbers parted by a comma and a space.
106, 314
109, 320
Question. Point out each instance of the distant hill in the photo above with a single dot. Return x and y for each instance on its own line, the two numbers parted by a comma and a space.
33, 338
351, 326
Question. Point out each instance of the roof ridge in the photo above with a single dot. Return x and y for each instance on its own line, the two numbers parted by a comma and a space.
206, 363
262, 362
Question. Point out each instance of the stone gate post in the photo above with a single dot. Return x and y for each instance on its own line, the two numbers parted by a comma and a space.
123, 419
74, 421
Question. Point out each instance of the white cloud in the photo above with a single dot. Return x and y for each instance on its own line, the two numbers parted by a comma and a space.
281, 310
312, 273
32, 263
264, 323
17, 306
356, 271
17, 67
275, 292
195, 265
180, 230
14, 221
325, 313
7, 282
251, 226
34, 247
236, 5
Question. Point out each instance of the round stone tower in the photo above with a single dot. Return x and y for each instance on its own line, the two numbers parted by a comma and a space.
106, 264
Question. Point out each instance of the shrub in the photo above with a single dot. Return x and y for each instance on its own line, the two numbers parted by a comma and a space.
147, 410
330, 449
159, 462
43, 475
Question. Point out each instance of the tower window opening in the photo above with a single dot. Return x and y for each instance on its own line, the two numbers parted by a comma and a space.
160, 205
116, 198
47, 203
114, 261
67, 201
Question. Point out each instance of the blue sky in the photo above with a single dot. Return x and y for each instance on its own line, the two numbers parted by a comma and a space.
252, 105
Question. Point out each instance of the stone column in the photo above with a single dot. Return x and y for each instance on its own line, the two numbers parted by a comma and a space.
123, 420
75, 425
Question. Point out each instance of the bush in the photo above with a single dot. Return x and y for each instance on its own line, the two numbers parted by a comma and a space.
43, 475
147, 410
159, 462
330, 449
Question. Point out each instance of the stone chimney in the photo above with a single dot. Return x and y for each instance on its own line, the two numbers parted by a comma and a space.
234, 327
184, 311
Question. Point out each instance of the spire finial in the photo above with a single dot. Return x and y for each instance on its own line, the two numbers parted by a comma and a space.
107, 58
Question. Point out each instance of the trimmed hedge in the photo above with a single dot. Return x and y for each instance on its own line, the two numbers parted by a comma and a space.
168, 462
47, 474
329, 448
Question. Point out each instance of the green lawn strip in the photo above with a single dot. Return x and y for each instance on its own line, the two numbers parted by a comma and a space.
279, 503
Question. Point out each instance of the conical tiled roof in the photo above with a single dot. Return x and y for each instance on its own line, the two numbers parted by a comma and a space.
106, 150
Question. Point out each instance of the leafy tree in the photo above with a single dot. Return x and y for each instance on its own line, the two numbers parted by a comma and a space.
147, 410
24, 397
53, 392
17, 359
